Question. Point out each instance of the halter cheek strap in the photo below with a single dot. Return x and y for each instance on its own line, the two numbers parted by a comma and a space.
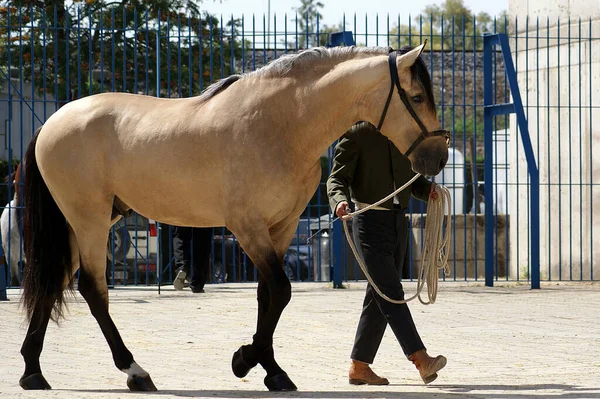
396, 83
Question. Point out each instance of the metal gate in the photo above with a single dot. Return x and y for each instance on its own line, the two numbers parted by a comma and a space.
51, 56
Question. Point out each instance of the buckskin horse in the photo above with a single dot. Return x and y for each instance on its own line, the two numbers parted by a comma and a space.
246, 152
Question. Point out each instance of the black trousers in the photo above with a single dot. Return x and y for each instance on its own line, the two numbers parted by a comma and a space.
192, 247
382, 240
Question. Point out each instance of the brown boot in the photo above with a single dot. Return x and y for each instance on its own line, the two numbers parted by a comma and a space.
361, 374
428, 366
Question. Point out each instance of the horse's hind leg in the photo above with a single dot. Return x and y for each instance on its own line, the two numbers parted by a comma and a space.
274, 293
32, 349
93, 288
34, 340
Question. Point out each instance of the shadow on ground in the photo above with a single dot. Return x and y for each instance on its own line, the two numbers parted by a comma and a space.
436, 391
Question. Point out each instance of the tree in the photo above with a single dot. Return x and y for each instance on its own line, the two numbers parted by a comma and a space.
450, 25
307, 18
73, 49
412, 34
458, 28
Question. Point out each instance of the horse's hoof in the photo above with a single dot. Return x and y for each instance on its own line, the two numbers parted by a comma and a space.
241, 366
34, 381
138, 383
280, 382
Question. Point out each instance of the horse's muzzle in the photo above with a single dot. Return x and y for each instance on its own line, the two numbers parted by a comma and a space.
430, 158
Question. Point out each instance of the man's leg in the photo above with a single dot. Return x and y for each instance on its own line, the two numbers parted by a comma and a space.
201, 244
181, 253
372, 323
403, 259
379, 259
377, 232
370, 330
427, 366
380, 233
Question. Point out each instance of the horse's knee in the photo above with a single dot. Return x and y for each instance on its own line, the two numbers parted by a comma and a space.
281, 292
262, 292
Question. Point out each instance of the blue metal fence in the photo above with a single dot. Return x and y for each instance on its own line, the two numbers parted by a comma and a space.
50, 56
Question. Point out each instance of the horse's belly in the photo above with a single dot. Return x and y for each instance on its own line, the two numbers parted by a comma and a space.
172, 203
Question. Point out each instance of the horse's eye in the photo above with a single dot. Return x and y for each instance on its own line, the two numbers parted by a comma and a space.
418, 99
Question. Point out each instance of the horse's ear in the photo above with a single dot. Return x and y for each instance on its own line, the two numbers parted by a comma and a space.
408, 59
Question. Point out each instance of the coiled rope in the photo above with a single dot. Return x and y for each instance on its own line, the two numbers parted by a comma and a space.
434, 255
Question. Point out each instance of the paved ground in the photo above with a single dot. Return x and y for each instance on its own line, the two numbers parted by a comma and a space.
507, 342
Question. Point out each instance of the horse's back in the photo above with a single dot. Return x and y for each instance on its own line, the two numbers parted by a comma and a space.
111, 122
93, 112
126, 145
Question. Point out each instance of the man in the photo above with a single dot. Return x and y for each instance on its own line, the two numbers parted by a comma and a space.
366, 168
188, 241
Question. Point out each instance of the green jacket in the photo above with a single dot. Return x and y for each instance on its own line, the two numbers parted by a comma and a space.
365, 166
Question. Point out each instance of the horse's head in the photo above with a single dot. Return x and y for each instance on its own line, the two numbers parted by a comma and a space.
411, 121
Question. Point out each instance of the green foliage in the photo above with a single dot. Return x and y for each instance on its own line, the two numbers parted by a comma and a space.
311, 32
308, 16
73, 49
469, 125
449, 25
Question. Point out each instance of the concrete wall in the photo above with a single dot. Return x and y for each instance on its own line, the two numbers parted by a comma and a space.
563, 9
560, 81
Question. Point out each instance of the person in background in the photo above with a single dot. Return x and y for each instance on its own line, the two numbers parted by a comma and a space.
191, 249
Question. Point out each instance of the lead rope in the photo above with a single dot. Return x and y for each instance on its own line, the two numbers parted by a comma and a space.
434, 255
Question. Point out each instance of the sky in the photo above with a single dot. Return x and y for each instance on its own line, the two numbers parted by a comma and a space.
334, 10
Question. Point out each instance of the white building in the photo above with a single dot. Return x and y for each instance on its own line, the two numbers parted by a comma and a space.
559, 80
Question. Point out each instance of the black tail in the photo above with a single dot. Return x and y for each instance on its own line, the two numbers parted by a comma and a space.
45, 241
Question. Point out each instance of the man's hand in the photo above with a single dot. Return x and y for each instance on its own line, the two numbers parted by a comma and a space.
433, 193
342, 209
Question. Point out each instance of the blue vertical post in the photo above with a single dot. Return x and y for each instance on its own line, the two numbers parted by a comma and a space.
337, 229
490, 110
534, 184
337, 238
160, 255
488, 150
158, 56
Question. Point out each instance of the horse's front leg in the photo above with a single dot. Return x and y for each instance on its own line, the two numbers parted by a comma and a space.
270, 307
274, 293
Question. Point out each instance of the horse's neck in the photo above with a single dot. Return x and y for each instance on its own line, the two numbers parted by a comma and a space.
341, 97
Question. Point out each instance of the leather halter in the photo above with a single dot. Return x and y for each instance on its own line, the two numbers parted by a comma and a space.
396, 82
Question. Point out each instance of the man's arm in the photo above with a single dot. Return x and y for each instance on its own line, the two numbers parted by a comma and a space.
345, 160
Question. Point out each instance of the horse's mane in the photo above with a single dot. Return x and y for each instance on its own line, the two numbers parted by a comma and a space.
296, 62
217, 87
290, 64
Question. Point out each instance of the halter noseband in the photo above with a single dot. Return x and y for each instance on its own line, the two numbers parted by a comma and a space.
396, 82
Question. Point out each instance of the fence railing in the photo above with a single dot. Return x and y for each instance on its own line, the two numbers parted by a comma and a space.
50, 56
